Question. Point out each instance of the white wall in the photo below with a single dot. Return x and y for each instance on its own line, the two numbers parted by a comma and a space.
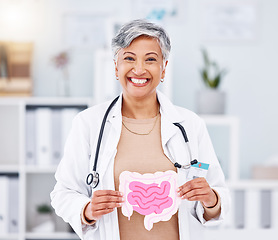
251, 84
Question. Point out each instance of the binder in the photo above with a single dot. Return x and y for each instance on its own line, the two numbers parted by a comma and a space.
43, 136
252, 208
239, 206
266, 208
30, 137
229, 221
56, 136
67, 116
274, 207
13, 215
4, 204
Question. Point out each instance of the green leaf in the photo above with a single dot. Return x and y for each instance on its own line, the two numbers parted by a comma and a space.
211, 73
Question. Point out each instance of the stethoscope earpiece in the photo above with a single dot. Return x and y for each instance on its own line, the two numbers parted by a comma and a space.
177, 165
195, 161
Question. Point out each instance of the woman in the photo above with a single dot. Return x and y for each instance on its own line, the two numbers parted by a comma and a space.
139, 137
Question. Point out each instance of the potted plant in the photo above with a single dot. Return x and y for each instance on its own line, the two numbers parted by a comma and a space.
44, 209
211, 100
45, 220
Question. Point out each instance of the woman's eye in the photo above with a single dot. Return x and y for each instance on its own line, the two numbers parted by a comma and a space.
129, 58
151, 60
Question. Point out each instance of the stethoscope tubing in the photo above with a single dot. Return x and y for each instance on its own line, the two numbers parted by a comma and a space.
93, 177
102, 130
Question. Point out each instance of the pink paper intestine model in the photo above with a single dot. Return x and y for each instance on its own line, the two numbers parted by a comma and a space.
152, 195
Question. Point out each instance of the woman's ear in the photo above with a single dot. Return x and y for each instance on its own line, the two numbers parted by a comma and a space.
163, 71
116, 69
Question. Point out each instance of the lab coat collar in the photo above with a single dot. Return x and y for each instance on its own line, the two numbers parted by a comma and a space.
169, 115
166, 108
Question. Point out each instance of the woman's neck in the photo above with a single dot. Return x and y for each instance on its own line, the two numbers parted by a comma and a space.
140, 109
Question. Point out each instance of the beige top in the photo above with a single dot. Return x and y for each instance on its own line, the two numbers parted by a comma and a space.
142, 154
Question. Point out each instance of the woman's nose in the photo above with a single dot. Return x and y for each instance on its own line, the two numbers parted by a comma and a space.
139, 69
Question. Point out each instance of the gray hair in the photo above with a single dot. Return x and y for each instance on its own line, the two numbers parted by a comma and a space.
137, 28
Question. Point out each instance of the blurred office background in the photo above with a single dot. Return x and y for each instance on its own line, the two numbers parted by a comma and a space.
63, 64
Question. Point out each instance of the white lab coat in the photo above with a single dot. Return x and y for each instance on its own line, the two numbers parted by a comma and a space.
71, 192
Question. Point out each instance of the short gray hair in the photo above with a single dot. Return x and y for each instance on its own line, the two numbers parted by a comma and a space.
140, 27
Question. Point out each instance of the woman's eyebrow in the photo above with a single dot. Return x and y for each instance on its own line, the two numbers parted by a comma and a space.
151, 53
128, 53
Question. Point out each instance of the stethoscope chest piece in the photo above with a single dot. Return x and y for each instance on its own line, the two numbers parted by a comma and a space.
93, 179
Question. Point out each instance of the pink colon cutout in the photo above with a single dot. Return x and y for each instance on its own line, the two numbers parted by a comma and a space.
152, 195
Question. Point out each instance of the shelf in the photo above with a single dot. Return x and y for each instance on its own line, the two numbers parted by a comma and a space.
220, 119
55, 235
46, 101
41, 169
9, 168
57, 101
35, 181
231, 234
9, 236
253, 184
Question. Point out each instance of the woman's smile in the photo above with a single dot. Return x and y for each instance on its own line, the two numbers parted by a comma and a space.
139, 82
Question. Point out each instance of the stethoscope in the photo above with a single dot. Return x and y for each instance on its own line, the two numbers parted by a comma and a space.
93, 177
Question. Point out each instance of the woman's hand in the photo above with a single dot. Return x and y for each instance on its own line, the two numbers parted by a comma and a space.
198, 189
103, 202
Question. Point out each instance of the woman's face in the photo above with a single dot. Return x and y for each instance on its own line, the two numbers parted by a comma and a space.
139, 67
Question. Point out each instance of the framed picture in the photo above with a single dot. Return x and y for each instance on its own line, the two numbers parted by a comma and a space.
230, 21
83, 30
159, 11
15, 68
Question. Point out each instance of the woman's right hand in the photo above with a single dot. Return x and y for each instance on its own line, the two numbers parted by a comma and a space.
103, 202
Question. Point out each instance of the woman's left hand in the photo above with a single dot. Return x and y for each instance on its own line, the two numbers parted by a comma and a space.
198, 189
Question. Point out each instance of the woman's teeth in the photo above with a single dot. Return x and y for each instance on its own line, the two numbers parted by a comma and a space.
138, 81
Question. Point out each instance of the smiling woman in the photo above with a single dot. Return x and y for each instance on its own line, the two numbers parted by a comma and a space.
140, 138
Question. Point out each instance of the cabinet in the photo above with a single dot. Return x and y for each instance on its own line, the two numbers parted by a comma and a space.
27, 128
253, 212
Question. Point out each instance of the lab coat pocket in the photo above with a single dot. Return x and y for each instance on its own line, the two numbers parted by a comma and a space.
196, 227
